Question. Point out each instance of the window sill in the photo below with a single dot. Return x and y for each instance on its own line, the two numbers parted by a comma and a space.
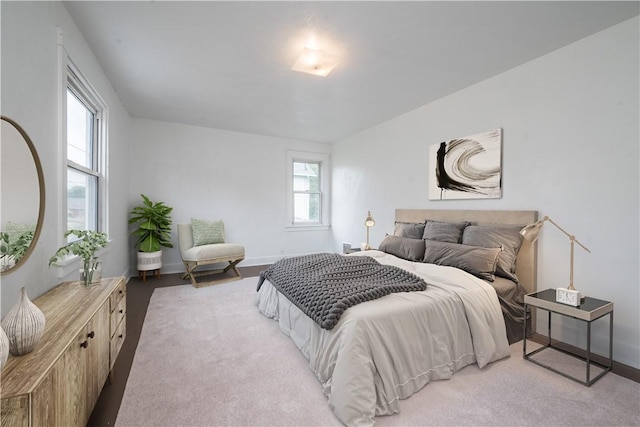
308, 228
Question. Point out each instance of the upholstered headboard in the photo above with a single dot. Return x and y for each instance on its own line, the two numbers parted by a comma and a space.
526, 262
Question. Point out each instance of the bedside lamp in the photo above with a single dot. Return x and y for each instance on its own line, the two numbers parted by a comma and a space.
369, 222
531, 233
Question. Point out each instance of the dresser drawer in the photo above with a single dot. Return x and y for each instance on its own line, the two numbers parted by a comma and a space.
118, 294
15, 411
118, 313
117, 340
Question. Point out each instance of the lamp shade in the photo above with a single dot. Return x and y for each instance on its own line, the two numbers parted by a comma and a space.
369, 221
532, 231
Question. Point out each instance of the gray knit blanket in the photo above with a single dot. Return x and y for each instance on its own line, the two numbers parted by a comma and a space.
324, 285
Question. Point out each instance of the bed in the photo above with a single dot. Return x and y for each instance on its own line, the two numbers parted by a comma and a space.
387, 349
510, 293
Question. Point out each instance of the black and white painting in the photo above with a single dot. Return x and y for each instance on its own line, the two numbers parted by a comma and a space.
467, 168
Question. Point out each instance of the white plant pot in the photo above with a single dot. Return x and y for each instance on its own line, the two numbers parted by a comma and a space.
149, 260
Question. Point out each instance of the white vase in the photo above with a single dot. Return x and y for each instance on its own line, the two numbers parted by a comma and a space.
24, 325
4, 348
149, 260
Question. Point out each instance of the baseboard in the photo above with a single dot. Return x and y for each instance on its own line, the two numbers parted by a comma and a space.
617, 368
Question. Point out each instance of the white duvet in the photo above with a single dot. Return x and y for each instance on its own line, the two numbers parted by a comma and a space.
387, 349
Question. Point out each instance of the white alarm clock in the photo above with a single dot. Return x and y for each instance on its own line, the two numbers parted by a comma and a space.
568, 296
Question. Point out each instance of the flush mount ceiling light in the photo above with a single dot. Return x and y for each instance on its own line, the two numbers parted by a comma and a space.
315, 62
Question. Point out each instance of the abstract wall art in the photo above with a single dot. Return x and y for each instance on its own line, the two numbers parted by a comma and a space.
467, 168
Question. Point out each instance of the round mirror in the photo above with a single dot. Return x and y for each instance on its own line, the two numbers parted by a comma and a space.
22, 196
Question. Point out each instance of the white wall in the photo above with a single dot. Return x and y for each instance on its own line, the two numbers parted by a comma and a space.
30, 97
570, 151
215, 174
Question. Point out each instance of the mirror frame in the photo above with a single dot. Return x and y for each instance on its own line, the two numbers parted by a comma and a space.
40, 221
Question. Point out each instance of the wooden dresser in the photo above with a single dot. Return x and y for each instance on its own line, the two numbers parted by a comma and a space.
59, 382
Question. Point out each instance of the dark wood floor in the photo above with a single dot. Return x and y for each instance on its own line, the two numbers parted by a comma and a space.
138, 296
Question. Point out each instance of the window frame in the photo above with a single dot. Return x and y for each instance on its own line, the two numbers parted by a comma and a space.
323, 160
85, 97
71, 78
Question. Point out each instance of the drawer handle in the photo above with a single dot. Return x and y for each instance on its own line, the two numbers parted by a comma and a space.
84, 344
120, 291
121, 311
91, 334
120, 336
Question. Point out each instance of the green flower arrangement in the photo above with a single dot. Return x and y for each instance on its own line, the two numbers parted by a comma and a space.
87, 243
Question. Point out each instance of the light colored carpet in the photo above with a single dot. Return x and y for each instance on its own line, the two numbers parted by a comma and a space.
208, 357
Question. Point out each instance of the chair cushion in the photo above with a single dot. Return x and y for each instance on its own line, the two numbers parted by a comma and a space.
218, 250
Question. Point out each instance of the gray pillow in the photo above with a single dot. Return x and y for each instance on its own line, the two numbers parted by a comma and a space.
409, 229
403, 247
479, 261
444, 231
496, 235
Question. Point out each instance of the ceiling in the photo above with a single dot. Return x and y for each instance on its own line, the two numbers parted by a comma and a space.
227, 65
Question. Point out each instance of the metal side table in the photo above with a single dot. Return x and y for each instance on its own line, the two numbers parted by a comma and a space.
589, 310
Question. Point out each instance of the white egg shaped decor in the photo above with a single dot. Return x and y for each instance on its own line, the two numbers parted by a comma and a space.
24, 325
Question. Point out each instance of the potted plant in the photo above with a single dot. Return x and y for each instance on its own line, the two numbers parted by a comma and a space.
153, 222
85, 246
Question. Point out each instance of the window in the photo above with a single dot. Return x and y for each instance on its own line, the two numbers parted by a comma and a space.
307, 197
308, 185
84, 144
